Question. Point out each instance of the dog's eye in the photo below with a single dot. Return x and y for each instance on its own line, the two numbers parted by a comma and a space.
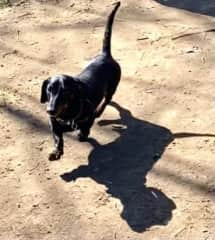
52, 90
49, 89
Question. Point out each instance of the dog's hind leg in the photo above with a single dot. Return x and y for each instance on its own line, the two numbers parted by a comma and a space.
106, 100
100, 109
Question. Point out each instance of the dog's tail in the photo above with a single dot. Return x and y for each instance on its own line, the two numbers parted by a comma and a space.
108, 31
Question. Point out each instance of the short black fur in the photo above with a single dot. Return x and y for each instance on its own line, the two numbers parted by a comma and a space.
74, 102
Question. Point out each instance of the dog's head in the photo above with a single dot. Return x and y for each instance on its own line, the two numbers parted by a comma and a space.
59, 92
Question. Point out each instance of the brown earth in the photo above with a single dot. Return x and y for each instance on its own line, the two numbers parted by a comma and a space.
154, 146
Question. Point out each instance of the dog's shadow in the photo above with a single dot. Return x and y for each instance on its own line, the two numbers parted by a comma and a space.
122, 166
206, 7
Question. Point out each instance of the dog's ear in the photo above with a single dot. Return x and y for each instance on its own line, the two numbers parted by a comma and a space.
44, 97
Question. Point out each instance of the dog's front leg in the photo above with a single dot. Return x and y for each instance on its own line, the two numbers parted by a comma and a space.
85, 129
58, 139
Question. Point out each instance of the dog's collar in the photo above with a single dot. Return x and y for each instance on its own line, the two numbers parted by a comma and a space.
80, 117
85, 111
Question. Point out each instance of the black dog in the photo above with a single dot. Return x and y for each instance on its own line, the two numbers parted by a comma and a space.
75, 102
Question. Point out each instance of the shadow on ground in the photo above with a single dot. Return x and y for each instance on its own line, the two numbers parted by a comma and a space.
122, 167
206, 7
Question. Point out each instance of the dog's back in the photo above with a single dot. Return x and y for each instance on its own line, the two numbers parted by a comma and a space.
99, 75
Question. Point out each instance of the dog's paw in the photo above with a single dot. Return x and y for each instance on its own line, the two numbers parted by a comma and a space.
82, 137
55, 155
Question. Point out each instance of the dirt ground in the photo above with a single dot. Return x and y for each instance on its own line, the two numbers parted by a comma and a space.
155, 146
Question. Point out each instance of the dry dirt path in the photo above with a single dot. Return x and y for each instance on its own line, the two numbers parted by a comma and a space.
155, 145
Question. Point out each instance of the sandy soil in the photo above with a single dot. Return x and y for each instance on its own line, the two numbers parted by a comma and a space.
155, 146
